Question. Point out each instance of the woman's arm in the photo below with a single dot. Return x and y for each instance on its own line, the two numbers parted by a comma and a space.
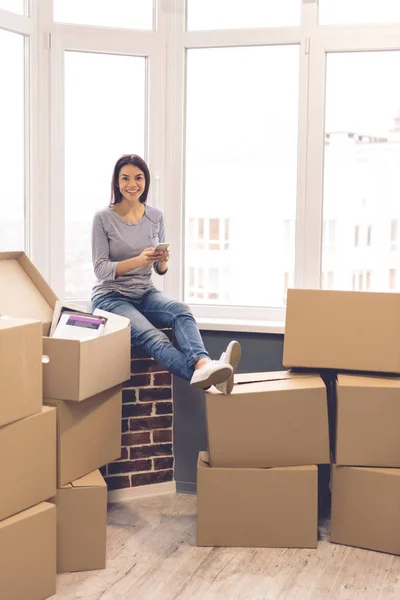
161, 266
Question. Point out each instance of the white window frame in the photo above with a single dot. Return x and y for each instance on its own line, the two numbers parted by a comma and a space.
27, 26
76, 38
178, 44
166, 48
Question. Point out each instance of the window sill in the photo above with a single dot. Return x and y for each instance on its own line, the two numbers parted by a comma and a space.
248, 326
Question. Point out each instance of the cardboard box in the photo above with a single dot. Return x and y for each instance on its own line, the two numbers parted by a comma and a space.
269, 424
276, 508
28, 554
82, 524
28, 465
368, 421
77, 369
240, 378
20, 369
88, 434
356, 331
365, 508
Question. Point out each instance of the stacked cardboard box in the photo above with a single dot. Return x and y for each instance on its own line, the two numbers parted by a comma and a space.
358, 333
258, 484
27, 468
81, 388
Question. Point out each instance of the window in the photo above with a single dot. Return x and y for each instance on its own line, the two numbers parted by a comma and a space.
392, 279
335, 12
15, 6
241, 164
13, 183
369, 235
357, 235
329, 233
394, 234
361, 281
100, 124
129, 14
233, 14
361, 182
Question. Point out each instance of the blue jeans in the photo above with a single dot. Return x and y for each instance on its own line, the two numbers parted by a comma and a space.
151, 311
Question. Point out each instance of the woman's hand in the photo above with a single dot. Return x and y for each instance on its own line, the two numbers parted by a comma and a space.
148, 257
162, 261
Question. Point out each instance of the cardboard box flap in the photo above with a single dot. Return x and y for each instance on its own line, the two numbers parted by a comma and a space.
26, 294
367, 381
392, 471
26, 514
241, 378
294, 383
94, 479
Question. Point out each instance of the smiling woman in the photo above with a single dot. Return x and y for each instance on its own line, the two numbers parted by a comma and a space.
124, 243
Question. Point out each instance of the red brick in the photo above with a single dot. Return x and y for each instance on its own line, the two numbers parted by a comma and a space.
151, 394
162, 435
163, 408
162, 379
167, 462
128, 466
135, 439
152, 450
151, 477
136, 410
128, 396
138, 380
145, 365
124, 453
118, 482
125, 425
146, 423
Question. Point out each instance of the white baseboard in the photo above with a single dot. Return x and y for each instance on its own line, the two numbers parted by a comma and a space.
141, 491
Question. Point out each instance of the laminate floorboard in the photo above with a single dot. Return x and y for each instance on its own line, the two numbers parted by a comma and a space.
152, 555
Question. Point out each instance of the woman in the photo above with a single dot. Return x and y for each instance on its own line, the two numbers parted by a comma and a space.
124, 238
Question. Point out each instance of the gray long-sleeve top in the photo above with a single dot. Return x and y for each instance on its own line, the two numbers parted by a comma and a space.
115, 239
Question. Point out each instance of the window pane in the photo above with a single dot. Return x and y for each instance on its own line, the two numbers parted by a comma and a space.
15, 6
241, 168
12, 142
129, 14
100, 124
362, 175
336, 12
236, 14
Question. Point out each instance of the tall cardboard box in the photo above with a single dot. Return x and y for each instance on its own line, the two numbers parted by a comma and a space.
28, 464
276, 507
365, 508
329, 329
77, 369
28, 554
81, 524
368, 421
269, 424
88, 434
20, 368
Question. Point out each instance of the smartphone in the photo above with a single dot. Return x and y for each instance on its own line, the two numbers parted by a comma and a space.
161, 247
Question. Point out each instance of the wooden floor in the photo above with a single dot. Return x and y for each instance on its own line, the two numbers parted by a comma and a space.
152, 556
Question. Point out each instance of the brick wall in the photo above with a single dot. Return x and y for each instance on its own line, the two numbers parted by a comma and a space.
146, 442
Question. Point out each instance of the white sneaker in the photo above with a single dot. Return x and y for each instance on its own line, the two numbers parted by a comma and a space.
231, 356
213, 373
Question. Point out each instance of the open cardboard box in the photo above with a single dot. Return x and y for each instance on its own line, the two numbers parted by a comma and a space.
82, 524
77, 369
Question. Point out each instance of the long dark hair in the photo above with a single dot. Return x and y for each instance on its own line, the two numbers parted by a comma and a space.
136, 161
